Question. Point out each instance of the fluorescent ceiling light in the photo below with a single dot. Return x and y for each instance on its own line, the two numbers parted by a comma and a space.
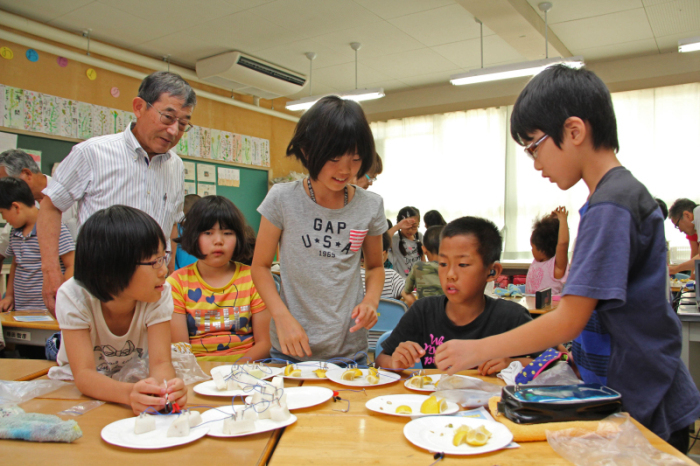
516, 70
691, 44
358, 95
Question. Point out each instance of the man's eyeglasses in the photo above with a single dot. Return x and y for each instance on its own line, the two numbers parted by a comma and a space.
531, 149
167, 119
677, 222
158, 263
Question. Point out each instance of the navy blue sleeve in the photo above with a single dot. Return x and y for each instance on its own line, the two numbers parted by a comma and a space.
601, 258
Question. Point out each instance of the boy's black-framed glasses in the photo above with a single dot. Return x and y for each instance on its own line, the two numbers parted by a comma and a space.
167, 119
158, 263
531, 149
677, 223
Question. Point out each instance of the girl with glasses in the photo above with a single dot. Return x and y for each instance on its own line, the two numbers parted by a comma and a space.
118, 307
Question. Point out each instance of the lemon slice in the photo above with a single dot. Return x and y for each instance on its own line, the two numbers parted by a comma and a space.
416, 382
476, 438
403, 409
295, 373
373, 371
372, 379
320, 373
460, 435
433, 406
348, 375
483, 430
358, 372
288, 369
427, 380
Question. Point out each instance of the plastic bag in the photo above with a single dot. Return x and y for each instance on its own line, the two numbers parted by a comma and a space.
468, 392
560, 373
185, 365
617, 441
21, 392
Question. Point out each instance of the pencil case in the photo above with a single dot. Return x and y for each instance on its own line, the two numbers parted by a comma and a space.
558, 403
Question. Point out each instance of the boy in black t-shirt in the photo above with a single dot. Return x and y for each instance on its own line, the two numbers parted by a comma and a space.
470, 248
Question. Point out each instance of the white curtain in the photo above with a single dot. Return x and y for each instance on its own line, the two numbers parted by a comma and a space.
452, 162
466, 163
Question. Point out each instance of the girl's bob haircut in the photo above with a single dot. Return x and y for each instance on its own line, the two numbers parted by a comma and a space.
332, 128
110, 245
207, 212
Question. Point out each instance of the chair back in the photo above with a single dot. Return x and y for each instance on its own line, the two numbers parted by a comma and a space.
378, 349
389, 312
278, 281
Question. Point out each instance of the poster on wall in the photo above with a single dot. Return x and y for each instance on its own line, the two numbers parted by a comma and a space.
206, 172
229, 177
190, 188
206, 189
13, 113
189, 171
34, 154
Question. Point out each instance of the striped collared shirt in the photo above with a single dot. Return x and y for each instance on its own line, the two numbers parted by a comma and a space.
28, 276
111, 170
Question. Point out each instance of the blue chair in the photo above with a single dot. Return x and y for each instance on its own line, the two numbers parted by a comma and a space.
378, 349
389, 313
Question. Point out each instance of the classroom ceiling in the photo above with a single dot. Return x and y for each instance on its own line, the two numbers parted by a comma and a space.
405, 43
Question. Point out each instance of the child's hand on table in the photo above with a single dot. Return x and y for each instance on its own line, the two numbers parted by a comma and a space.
293, 339
147, 393
365, 316
7, 303
177, 392
406, 355
494, 366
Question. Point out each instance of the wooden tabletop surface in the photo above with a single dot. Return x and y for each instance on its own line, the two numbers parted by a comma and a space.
361, 436
24, 369
8, 320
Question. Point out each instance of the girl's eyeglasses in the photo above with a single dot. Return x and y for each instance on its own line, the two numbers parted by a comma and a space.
531, 149
158, 263
371, 180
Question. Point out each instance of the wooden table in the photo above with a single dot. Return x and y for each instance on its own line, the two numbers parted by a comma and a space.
27, 333
91, 449
24, 369
361, 436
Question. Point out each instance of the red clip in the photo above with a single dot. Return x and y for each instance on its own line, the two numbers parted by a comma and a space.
176, 408
336, 393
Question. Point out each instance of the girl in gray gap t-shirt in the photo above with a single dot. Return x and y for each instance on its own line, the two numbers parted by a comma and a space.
321, 223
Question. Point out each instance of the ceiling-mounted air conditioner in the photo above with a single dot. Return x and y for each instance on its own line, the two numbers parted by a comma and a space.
249, 75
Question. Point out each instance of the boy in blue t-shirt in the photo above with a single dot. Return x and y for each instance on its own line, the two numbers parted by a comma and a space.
566, 118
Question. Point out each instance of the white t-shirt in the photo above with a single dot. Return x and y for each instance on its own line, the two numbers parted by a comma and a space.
77, 309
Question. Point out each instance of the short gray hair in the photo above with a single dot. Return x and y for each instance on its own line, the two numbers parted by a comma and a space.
165, 82
16, 160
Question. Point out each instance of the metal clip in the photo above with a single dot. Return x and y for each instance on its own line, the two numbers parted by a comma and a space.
437, 457
336, 399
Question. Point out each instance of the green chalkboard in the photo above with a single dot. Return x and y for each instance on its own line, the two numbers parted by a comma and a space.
248, 196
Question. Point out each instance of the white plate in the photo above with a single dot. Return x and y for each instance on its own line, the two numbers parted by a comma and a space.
426, 388
208, 388
387, 404
425, 433
385, 378
216, 429
308, 368
269, 371
121, 433
304, 397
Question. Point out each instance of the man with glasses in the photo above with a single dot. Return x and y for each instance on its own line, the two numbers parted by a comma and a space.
685, 215
136, 168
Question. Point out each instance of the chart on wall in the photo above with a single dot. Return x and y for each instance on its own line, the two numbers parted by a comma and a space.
42, 113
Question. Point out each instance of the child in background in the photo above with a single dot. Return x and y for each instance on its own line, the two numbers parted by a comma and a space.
567, 119
685, 215
117, 308
393, 283
26, 279
550, 248
424, 275
182, 258
433, 218
321, 223
217, 308
468, 259
406, 247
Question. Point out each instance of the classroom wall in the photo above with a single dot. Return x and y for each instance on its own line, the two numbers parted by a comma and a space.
71, 82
